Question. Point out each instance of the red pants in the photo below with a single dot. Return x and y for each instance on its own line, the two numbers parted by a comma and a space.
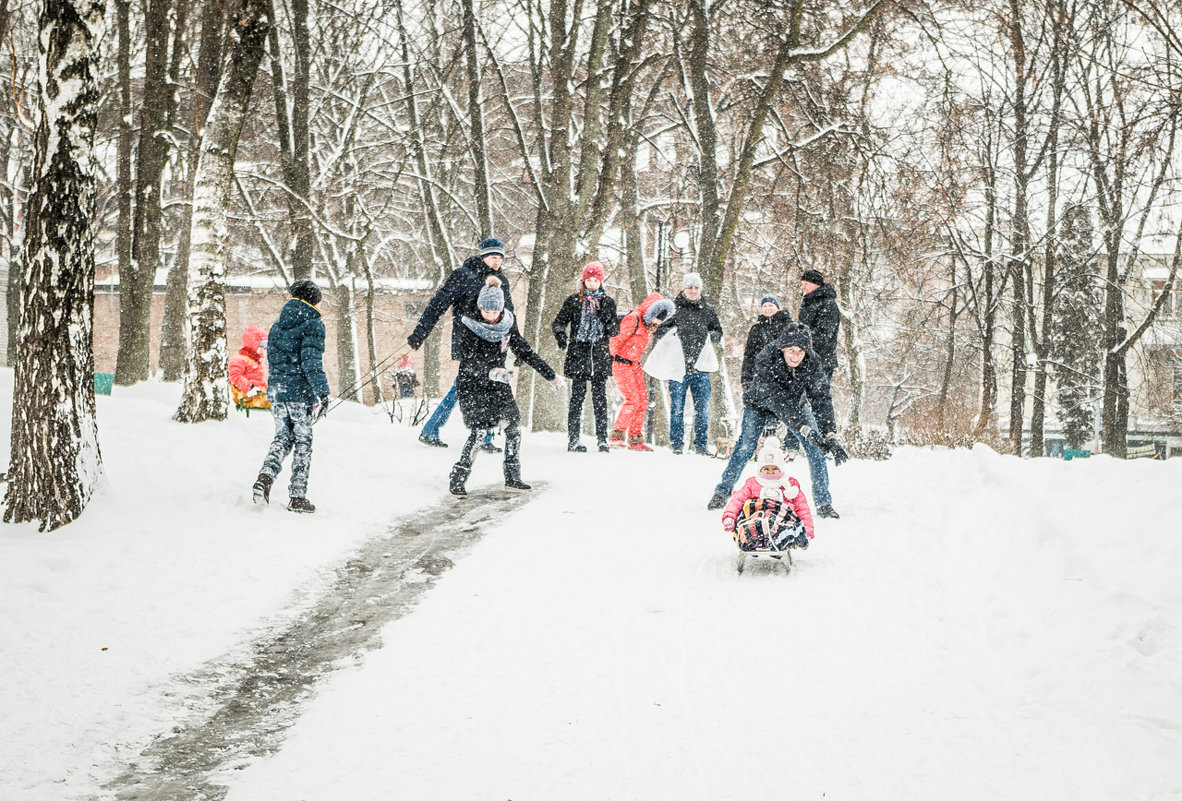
630, 381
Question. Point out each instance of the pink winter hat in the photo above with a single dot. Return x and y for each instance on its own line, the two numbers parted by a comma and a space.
592, 269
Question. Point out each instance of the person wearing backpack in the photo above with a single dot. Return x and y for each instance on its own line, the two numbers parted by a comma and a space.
636, 328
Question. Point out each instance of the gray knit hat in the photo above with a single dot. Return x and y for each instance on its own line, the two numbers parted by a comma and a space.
691, 279
492, 296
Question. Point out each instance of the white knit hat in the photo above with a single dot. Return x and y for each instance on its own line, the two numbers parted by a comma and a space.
772, 454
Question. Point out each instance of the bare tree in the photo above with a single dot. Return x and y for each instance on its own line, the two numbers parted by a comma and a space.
55, 461
206, 390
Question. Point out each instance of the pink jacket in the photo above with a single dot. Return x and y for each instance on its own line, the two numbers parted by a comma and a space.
751, 488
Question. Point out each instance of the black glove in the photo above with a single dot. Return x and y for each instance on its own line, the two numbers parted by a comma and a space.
321, 408
560, 338
834, 447
812, 437
415, 341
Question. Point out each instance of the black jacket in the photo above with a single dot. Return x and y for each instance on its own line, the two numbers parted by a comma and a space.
695, 320
818, 310
483, 402
585, 360
780, 389
763, 333
458, 291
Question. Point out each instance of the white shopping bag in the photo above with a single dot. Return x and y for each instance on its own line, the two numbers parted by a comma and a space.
666, 361
707, 360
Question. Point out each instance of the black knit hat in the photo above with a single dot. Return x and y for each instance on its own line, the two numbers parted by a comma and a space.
306, 291
813, 277
795, 335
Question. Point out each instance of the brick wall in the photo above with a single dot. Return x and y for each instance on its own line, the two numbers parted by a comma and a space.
394, 317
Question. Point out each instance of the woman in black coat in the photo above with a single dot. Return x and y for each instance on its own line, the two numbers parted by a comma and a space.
487, 334
764, 332
590, 317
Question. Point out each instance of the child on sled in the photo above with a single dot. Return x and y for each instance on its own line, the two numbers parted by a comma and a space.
769, 511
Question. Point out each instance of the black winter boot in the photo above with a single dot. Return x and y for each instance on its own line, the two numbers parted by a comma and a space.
302, 505
513, 482
455, 486
262, 488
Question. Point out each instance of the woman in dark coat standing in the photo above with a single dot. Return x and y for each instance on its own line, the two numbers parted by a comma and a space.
487, 334
763, 333
590, 317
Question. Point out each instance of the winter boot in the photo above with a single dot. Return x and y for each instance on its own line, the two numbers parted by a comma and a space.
302, 505
488, 447
603, 446
513, 482
616, 438
636, 443
717, 502
827, 511
262, 488
574, 446
455, 484
434, 442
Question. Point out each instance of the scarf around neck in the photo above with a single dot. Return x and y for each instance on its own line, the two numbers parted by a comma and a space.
590, 326
491, 332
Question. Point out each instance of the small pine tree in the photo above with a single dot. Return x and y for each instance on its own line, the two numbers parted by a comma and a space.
1075, 340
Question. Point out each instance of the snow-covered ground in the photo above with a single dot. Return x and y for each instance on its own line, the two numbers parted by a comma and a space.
974, 627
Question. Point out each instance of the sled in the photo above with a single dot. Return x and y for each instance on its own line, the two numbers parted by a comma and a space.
782, 557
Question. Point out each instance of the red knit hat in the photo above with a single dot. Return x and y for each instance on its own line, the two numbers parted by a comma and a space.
592, 269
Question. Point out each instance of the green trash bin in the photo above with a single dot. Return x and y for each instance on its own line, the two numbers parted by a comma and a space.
103, 383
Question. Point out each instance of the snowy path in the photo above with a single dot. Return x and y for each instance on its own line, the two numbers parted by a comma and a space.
600, 645
250, 707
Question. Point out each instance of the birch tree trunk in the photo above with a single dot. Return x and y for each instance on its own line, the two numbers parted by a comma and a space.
172, 327
206, 387
55, 462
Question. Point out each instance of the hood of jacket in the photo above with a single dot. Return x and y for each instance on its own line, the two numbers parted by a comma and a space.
648, 302
476, 265
251, 338
295, 313
820, 294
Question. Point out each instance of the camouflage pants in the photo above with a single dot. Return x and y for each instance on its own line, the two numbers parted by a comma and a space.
293, 432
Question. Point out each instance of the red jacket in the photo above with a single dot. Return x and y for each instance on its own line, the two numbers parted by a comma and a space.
634, 334
750, 490
246, 367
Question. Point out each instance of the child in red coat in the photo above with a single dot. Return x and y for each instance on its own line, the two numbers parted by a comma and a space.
769, 510
248, 386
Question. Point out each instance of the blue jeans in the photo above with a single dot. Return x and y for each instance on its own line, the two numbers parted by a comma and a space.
754, 422
698, 385
443, 411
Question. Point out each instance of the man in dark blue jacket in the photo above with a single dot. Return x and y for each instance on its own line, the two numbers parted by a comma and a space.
458, 292
299, 393
790, 385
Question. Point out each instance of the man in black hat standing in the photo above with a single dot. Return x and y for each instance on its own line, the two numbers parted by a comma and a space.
818, 310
